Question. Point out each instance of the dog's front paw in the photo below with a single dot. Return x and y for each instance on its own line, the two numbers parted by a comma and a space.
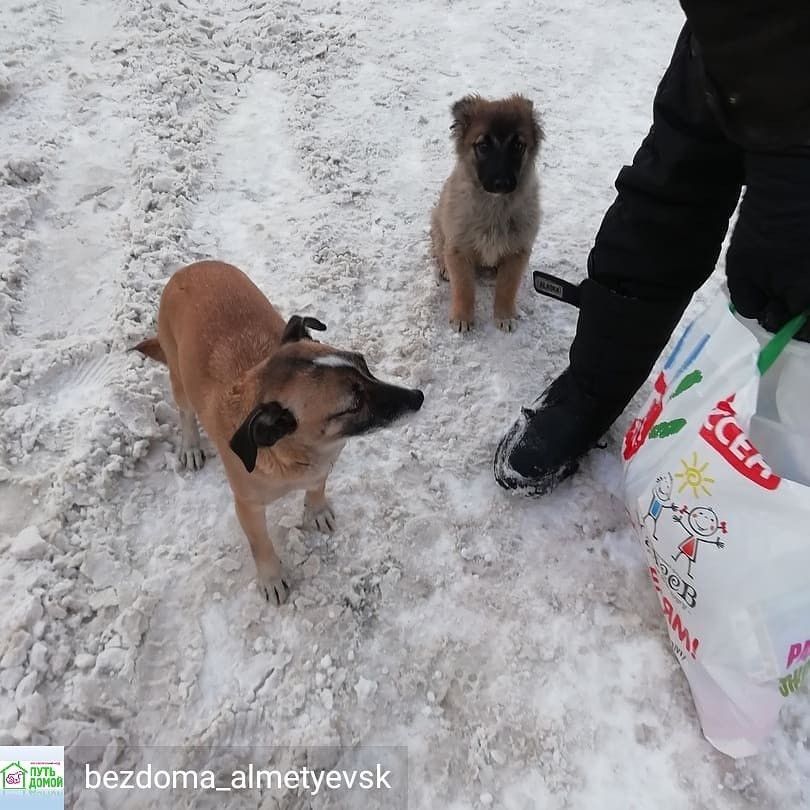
191, 457
322, 518
507, 324
461, 325
443, 275
274, 589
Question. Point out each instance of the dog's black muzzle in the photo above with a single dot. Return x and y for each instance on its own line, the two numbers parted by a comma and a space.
385, 404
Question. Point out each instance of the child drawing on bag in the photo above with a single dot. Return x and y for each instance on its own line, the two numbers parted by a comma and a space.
702, 525
661, 499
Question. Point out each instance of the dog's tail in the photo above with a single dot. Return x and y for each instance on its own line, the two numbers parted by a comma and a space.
151, 348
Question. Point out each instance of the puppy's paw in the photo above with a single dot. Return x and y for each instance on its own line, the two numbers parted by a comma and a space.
274, 589
191, 457
461, 325
321, 518
442, 270
507, 324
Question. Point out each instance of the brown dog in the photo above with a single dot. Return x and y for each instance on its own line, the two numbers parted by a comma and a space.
277, 404
488, 213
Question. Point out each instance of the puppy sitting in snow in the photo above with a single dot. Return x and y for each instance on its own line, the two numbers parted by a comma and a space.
278, 405
488, 213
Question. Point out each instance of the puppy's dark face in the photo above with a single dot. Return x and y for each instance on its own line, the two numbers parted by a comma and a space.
498, 161
496, 140
318, 395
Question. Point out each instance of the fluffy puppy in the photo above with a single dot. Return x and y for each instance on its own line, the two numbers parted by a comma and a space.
488, 213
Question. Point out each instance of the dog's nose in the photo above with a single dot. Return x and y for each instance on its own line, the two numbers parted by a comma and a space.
417, 398
503, 184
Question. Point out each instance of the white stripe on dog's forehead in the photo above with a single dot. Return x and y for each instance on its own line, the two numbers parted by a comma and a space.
333, 361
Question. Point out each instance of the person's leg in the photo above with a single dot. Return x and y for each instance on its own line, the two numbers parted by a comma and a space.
768, 260
657, 244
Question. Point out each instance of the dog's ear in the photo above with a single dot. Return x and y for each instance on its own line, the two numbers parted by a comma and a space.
463, 111
264, 426
537, 130
531, 114
297, 328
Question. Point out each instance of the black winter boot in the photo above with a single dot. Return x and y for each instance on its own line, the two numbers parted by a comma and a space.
617, 343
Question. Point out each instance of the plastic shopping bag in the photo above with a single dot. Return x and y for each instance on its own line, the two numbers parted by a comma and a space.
727, 539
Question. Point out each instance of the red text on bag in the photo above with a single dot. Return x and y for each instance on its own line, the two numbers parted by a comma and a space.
798, 652
687, 641
725, 435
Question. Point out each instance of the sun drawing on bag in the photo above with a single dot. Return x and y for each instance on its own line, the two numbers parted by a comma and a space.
694, 476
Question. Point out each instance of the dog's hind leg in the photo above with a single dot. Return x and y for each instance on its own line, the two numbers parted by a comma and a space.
191, 455
268, 566
507, 282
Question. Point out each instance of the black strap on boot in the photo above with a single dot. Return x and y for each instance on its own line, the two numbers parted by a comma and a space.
557, 288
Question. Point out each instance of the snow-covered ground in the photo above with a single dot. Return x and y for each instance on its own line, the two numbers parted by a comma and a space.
515, 647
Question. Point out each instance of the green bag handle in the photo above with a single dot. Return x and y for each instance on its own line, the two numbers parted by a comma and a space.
770, 353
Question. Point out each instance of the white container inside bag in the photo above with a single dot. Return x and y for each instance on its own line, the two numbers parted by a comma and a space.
780, 428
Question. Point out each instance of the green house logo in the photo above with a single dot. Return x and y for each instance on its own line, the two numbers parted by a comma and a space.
32, 775
14, 777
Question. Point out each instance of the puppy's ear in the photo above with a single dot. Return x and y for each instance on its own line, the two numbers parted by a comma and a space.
537, 130
532, 116
463, 111
297, 328
264, 426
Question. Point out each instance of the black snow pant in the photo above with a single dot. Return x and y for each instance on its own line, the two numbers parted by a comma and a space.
661, 238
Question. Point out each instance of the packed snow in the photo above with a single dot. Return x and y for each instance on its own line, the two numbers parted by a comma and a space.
514, 646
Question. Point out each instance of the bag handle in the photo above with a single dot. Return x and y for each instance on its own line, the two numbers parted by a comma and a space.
771, 351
